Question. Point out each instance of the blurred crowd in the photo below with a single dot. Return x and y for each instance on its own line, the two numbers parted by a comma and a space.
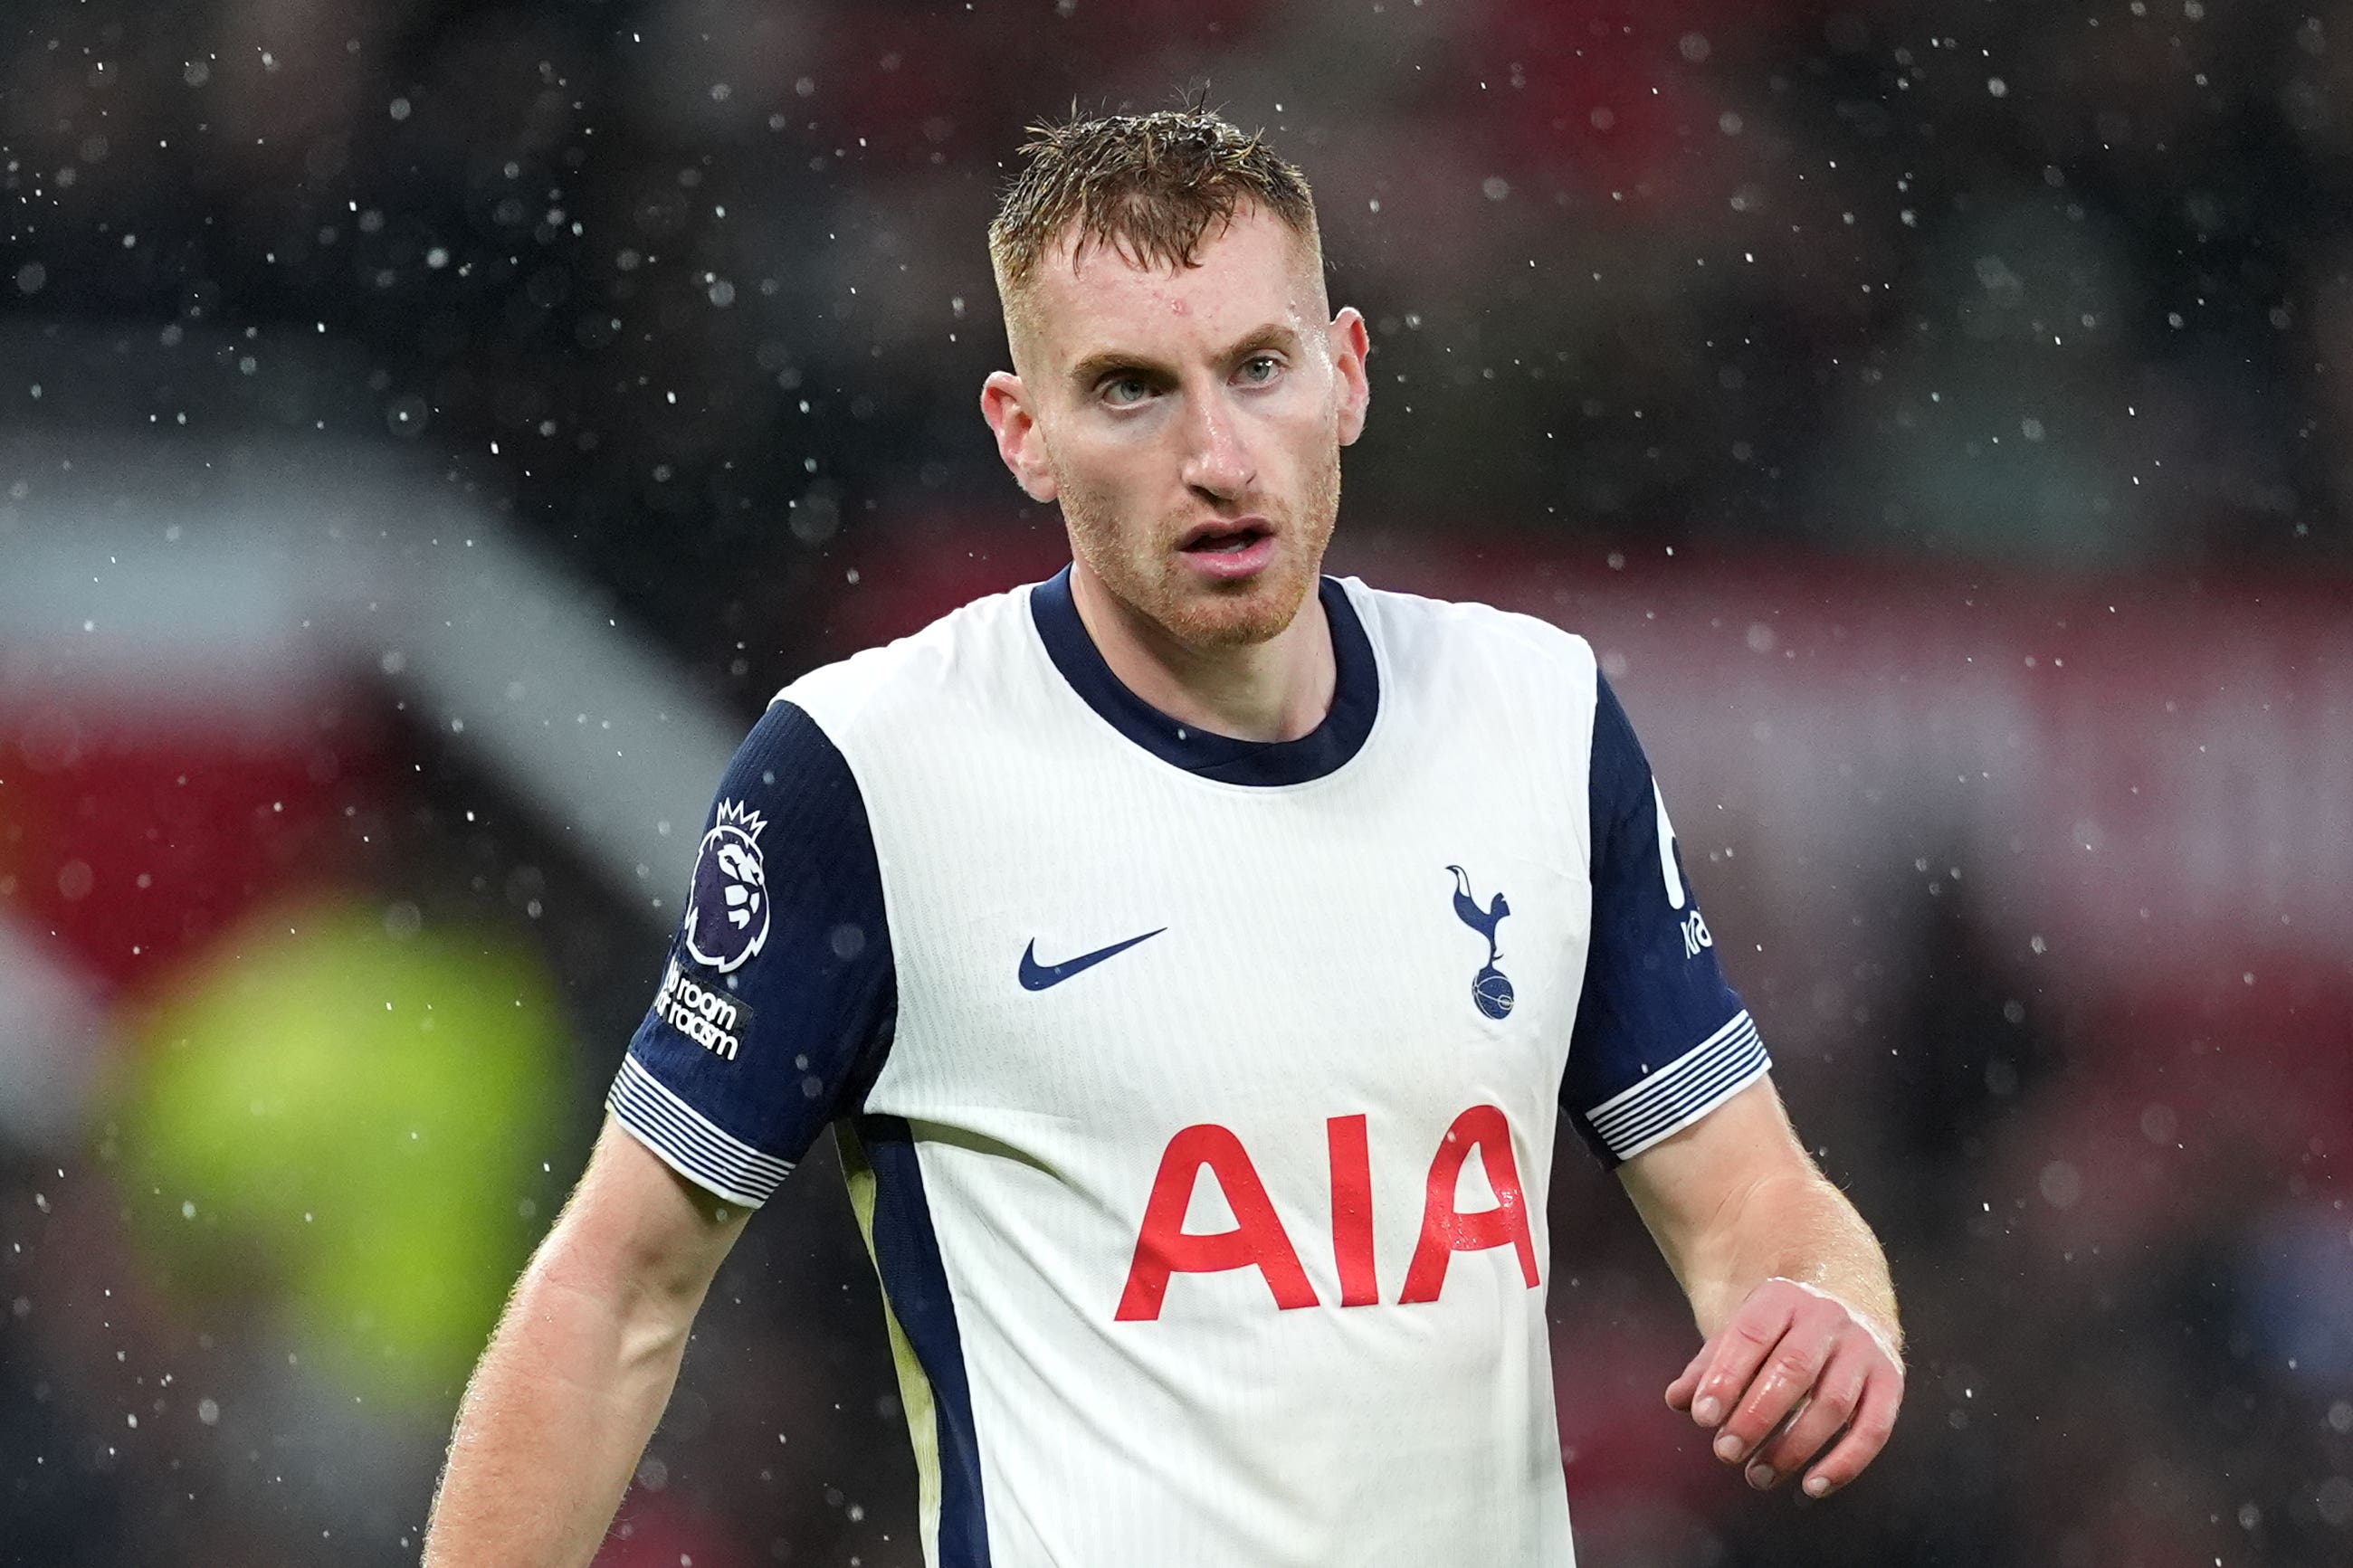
693, 296
2058, 284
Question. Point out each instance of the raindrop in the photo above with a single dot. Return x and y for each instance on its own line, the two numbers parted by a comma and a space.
407, 416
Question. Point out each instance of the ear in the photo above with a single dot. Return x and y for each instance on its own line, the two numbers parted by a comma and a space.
1351, 346
1004, 403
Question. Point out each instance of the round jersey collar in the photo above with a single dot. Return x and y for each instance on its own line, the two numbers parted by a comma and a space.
1355, 699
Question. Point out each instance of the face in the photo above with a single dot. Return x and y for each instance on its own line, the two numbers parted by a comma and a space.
1189, 421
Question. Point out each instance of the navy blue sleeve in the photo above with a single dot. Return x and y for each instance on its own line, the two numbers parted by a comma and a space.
1661, 1039
777, 1004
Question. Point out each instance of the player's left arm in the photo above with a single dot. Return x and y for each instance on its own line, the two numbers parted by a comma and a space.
1668, 1081
1790, 1290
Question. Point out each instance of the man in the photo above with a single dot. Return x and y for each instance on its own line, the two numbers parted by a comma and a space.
1194, 954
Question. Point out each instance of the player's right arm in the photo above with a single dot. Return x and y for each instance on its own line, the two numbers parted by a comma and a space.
565, 1400
772, 1014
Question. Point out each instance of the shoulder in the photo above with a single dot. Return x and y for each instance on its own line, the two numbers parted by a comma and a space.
1445, 641
944, 666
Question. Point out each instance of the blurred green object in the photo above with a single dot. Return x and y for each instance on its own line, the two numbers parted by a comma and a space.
341, 1120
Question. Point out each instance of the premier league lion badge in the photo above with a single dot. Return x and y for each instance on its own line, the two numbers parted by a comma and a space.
727, 915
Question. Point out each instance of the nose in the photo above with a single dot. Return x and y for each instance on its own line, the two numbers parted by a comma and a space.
1218, 459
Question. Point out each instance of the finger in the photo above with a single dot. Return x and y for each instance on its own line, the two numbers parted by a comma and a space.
1686, 1383
1836, 1395
1740, 1347
1866, 1434
1787, 1376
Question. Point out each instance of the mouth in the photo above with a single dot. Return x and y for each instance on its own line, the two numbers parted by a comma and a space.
1229, 550
1224, 538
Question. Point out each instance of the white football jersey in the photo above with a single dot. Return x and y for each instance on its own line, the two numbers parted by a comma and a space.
1197, 1095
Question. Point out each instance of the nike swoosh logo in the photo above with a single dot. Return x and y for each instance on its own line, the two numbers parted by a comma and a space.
1037, 976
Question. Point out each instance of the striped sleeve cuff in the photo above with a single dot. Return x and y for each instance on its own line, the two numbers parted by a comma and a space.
1683, 1091
689, 1142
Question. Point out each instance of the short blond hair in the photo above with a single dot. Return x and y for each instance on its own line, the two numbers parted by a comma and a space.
1149, 186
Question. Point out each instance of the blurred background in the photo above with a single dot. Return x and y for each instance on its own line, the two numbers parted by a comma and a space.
430, 431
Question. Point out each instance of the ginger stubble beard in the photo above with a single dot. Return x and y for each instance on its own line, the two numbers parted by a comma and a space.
1151, 579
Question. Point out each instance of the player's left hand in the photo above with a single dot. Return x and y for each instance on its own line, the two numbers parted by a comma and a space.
1783, 1376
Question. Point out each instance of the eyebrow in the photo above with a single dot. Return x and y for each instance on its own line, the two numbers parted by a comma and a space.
1096, 366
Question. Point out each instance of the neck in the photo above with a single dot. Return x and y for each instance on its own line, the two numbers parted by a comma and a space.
1279, 690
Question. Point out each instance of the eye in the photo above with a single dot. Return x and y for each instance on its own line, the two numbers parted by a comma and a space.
1125, 391
1260, 369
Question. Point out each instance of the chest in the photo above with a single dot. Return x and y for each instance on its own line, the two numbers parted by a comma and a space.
1097, 948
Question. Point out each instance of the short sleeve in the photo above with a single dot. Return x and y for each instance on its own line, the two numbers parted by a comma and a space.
777, 1003
1661, 1039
